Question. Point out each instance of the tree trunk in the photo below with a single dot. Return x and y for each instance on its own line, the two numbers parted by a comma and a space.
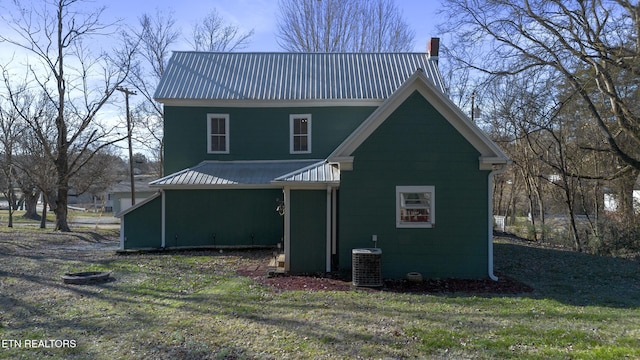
61, 209
543, 219
572, 214
625, 195
532, 206
10, 197
511, 203
43, 219
31, 202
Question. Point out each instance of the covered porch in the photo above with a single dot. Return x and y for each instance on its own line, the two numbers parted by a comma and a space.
296, 201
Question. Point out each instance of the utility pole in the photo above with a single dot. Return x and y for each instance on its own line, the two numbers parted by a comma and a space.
127, 92
473, 106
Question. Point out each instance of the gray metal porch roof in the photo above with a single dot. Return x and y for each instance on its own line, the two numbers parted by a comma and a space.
211, 174
290, 76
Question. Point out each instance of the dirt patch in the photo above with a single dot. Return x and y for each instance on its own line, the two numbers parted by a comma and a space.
333, 282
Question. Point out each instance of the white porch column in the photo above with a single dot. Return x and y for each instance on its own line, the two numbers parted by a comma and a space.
163, 218
287, 228
328, 231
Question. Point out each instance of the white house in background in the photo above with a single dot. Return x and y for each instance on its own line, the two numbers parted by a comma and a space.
611, 203
119, 195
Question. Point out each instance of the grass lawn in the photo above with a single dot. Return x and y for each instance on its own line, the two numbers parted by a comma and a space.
51, 217
193, 305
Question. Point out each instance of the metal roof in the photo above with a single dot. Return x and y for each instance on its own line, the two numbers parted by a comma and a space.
319, 172
249, 173
290, 76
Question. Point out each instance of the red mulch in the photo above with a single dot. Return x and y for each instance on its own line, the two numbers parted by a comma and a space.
330, 282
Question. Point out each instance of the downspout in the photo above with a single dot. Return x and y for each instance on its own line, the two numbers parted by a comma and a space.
328, 231
497, 170
163, 218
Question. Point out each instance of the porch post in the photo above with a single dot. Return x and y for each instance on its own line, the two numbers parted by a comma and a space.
287, 228
328, 231
163, 219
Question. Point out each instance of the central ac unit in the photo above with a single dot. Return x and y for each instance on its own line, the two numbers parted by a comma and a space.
366, 267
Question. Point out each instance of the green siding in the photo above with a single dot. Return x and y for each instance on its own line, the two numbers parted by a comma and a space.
223, 217
308, 230
143, 226
417, 146
255, 133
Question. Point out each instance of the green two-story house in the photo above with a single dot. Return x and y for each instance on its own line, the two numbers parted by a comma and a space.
321, 153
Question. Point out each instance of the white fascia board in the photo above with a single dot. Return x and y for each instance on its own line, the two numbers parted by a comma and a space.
269, 103
218, 186
419, 82
490, 163
301, 185
344, 162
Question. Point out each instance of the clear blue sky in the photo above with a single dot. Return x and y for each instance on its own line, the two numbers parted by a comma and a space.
260, 15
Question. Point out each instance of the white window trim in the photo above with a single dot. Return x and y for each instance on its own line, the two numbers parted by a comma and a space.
292, 117
432, 209
226, 128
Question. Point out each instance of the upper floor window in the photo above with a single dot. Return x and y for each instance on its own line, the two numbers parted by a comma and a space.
415, 206
300, 129
218, 133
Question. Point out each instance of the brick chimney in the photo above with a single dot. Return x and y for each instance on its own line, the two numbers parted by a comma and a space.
433, 48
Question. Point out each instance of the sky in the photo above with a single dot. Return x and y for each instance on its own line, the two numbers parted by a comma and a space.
260, 15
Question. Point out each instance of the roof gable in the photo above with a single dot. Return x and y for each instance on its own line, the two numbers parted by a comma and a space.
490, 153
208, 76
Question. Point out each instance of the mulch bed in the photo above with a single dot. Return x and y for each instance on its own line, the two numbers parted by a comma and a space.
332, 282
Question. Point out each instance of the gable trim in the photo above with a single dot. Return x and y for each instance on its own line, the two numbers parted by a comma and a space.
490, 153
122, 213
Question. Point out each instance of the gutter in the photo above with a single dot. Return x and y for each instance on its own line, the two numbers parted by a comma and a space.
498, 169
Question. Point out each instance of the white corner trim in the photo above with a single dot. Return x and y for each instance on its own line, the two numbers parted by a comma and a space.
122, 233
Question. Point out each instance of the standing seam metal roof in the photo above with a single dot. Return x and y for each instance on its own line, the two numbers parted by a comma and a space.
224, 173
290, 76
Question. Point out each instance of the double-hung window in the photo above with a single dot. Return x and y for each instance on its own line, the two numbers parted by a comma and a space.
300, 130
415, 206
218, 133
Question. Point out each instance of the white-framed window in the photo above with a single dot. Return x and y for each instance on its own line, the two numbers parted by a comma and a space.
300, 130
218, 133
415, 206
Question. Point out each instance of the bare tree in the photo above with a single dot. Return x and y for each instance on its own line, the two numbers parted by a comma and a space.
566, 37
156, 35
213, 33
342, 26
10, 131
77, 83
